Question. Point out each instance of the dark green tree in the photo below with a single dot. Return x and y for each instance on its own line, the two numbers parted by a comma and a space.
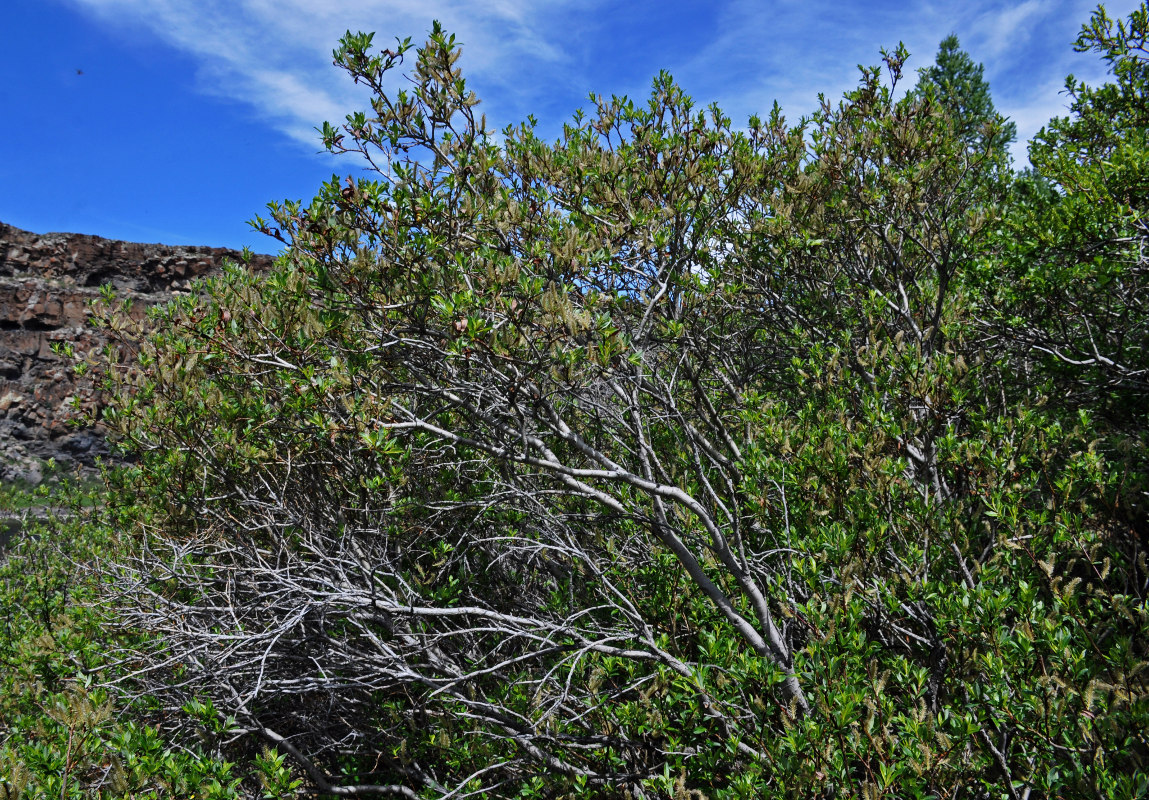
959, 85
1072, 292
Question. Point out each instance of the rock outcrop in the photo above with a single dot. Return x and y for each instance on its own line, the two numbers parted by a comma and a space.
46, 285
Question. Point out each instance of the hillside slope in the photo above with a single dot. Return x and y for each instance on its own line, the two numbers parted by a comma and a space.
46, 284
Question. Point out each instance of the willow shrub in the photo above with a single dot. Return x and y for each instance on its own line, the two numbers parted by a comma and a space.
662, 460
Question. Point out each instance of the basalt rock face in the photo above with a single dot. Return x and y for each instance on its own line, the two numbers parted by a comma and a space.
46, 285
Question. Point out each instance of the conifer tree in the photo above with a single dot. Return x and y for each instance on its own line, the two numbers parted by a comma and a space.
959, 85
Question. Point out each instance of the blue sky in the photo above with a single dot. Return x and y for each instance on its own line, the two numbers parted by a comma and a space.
178, 120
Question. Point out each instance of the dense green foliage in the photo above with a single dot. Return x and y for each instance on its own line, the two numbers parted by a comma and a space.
61, 734
662, 460
1071, 285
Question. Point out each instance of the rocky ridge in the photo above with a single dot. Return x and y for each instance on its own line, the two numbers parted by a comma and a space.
47, 282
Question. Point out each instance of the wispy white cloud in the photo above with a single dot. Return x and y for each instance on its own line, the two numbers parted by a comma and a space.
275, 55
999, 29
532, 56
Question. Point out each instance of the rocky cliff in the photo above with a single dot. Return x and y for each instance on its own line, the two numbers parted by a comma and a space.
46, 284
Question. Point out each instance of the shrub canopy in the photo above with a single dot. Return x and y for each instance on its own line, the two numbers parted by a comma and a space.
664, 459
